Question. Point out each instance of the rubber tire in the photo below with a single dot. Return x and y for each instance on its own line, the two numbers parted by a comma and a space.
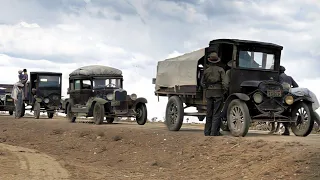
310, 124
110, 120
36, 110
23, 110
10, 113
70, 115
201, 118
50, 115
176, 100
98, 108
247, 119
144, 116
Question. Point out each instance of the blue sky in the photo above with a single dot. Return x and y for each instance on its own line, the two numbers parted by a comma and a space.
133, 35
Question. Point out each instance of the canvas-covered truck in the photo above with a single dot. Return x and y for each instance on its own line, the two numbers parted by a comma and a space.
254, 94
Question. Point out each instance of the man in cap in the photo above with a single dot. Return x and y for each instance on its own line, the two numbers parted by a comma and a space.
287, 82
17, 95
214, 83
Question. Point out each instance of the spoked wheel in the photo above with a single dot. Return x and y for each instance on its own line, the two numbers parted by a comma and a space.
50, 115
238, 118
110, 120
303, 122
36, 110
70, 115
174, 113
142, 113
98, 113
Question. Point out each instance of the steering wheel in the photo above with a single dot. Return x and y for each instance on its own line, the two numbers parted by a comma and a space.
111, 85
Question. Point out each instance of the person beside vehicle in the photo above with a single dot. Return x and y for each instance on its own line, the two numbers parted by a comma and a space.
214, 83
287, 82
17, 95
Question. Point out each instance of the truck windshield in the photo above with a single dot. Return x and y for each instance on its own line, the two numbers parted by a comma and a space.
108, 82
49, 81
256, 60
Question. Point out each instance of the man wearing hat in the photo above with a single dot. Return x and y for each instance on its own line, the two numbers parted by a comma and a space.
17, 95
288, 82
214, 83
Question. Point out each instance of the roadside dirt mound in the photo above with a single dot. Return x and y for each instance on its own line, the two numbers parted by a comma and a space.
130, 151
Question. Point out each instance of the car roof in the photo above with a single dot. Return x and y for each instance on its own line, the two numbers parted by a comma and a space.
96, 70
243, 42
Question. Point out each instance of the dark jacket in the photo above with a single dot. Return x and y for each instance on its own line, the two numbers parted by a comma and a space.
283, 78
214, 81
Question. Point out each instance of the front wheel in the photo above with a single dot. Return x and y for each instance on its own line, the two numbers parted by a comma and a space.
50, 115
142, 114
174, 113
238, 118
70, 115
98, 113
303, 121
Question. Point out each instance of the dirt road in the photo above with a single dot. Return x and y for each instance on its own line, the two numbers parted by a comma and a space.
129, 151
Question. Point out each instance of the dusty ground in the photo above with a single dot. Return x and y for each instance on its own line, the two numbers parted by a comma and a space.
60, 150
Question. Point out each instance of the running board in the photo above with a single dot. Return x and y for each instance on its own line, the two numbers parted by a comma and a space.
195, 114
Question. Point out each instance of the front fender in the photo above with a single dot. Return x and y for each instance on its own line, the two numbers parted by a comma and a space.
303, 98
139, 100
231, 97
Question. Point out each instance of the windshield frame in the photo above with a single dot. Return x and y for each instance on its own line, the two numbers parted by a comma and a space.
118, 82
39, 83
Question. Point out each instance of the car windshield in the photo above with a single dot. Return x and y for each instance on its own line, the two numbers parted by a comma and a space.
256, 60
49, 81
108, 82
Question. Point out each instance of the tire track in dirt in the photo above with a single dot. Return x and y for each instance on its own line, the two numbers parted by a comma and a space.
35, 165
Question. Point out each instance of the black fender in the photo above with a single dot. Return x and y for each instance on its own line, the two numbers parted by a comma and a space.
303, 98
139, 100
231, 97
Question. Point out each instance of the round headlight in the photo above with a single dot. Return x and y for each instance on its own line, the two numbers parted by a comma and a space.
289, 100
46, 100
133, 96
110, 97
257, 97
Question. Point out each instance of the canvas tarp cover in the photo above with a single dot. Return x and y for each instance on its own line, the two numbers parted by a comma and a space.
179, 71
96, 70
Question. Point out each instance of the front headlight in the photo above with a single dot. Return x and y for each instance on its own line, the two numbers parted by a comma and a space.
289, 100
133, 96
46, 100
257, 97
110, 97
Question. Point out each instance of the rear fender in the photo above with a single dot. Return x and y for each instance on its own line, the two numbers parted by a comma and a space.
231, 97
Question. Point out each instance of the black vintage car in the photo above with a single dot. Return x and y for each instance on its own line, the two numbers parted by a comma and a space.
254, 91
97, 91
6, 102
44, 93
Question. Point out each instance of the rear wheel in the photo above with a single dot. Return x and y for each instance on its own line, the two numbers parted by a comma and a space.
142, 114
110, 120
174, 113
70, 115
36, 110
303, 121
50, 115
98, 113
10, 113
238, 118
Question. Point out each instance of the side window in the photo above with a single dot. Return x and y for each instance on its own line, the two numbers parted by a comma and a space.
86, 84
77, 85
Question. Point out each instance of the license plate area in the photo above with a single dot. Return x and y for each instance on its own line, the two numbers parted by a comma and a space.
274, 93
115, 103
